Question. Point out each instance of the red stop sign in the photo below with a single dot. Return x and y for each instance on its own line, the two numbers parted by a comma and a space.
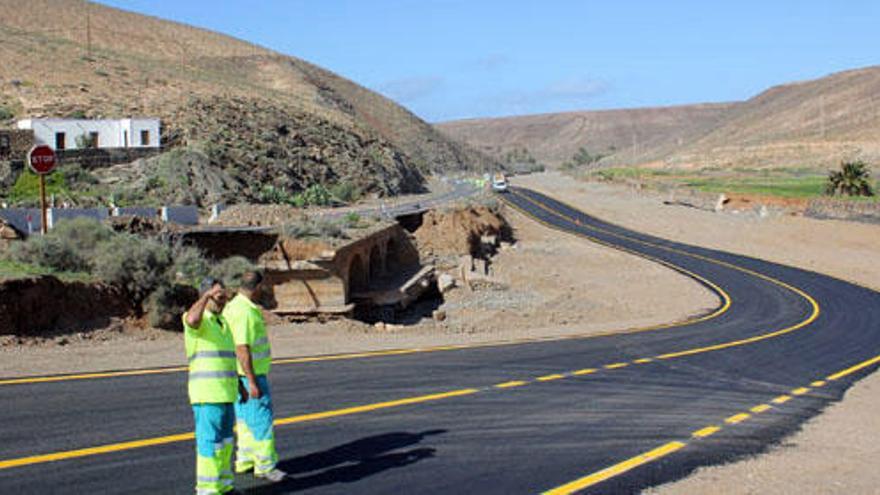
41, 159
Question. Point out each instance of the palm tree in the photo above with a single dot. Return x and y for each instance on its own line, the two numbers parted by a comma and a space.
853, 179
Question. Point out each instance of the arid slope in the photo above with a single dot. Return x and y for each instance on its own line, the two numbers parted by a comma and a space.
805, 124
71, 57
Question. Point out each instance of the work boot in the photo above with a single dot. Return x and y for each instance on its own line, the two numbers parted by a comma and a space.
243, 467
274, 475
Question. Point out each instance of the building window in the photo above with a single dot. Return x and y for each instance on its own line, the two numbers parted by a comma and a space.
60, 141
93, 140
145, 138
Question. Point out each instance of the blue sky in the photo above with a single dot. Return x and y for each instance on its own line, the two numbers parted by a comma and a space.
450, 59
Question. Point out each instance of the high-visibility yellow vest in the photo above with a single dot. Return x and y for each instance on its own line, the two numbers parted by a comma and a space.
248, 328
210, 351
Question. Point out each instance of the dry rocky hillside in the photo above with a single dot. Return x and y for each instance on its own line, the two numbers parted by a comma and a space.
254, 114
622, 134
804, 124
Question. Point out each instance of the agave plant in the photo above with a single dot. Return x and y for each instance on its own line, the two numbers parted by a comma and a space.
853, 179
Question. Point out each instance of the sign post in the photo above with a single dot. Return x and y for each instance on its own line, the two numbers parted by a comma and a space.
41, 160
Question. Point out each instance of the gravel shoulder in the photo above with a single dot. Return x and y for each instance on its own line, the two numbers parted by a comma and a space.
835, 451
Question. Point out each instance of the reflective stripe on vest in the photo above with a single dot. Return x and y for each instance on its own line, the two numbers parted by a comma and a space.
201, 375
212, 354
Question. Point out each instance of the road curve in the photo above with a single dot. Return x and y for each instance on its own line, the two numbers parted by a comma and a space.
608, 414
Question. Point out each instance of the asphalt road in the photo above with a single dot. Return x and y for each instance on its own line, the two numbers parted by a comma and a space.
608, 414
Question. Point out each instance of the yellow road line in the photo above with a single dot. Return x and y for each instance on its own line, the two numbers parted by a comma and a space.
854, 369
373, 407
149, 442
103, 449
585, 371
515, 383
643, 360
705, 432
818, 383
548, 378
737, 418
84, 376
800, 391
671, 447
812, 302
615, 366
615, 470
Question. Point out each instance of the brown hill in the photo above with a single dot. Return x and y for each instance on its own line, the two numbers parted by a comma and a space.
814, 123
258, 115
632, 135
807, 124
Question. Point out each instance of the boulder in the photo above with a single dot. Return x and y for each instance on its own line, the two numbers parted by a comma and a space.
445, 283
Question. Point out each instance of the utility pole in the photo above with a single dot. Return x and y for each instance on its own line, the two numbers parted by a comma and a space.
822, 116
635, 146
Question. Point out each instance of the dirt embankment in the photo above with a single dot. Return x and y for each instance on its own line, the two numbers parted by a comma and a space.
43, 305
460, 232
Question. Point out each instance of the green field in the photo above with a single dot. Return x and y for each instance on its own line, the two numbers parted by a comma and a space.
785, 183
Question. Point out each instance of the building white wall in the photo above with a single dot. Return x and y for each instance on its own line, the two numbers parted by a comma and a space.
111, 133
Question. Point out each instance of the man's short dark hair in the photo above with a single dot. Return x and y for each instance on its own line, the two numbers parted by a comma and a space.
208, 283
251, 279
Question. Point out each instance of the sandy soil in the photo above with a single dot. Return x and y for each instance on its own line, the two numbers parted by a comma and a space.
532, 295
834, 452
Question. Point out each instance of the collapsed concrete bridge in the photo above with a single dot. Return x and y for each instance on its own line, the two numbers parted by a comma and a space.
378, 265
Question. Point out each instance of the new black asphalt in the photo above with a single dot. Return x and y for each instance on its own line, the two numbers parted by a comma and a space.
521, 438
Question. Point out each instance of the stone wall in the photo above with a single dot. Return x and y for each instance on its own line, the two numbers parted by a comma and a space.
15, 144
104, 157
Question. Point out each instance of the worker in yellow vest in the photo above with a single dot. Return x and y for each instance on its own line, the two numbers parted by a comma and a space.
213, 387
256, 439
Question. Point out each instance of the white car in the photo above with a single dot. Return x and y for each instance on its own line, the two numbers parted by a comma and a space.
499, 184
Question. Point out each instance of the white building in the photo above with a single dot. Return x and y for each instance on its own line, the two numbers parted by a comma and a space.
64, 134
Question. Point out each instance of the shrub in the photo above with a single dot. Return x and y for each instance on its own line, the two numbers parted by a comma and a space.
49, 252
190, 266
6, 113
75, 174
166, 305
27, 186
317, 195
83, 234
853, 179
273, 195
85, 141
346, 192
231, 269
318, 227
137, 265
351, 220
